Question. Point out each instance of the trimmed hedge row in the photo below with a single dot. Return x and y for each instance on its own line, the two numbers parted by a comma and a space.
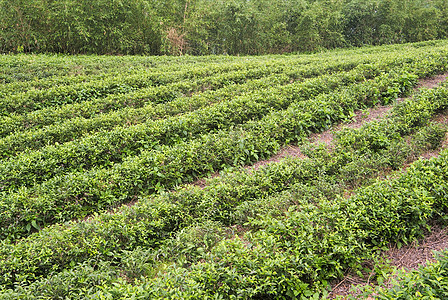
219, 204
16, 68
26, 68
83, 74
35, 139
93, 107
309, 66
78, 127
123, 83
292, 254
82, 70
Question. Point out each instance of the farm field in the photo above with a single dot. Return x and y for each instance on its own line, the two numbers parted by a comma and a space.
135, 177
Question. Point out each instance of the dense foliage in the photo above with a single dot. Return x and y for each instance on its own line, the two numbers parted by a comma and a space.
215, 26
96, 154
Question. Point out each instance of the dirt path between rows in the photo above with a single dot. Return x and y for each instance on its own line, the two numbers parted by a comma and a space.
419, 253
361, 117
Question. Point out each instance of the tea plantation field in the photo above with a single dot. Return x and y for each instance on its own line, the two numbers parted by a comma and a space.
98, 153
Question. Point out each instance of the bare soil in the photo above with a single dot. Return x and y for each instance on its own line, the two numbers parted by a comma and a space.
288, 151
431, 82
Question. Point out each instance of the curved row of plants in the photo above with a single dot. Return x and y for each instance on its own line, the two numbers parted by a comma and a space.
76, 128
154, 243
23, 68
34, 68
128, 69
153, 220
64, 80
80, 88
296, 253
93, 150
118, 83
81, 69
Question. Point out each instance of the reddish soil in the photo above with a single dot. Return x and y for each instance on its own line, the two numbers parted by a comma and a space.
202, 182
289, 151
432, 82
361, 117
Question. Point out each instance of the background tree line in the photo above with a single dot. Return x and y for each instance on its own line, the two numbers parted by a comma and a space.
203, 27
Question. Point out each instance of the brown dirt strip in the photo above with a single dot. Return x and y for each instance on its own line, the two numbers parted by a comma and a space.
409, 257
326, 137
361, 117
431, 82
372, 114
